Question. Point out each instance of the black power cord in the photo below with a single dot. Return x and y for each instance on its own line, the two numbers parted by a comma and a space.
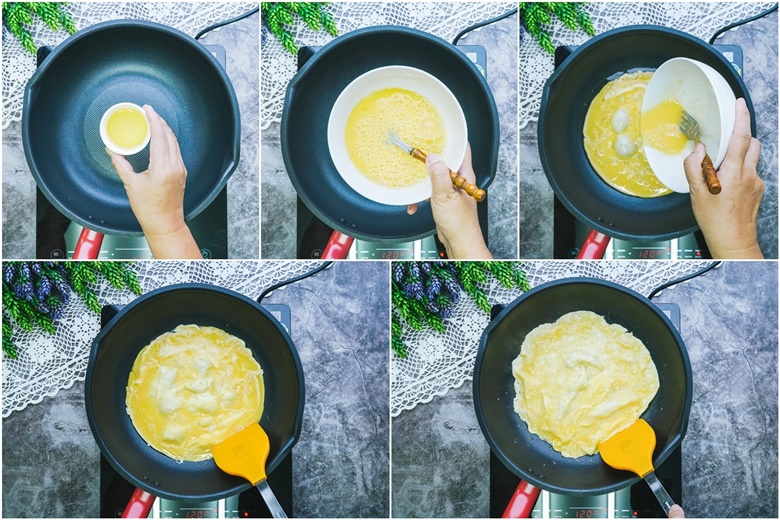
226, 22
292, 280
742, 22
467, 30
657, 290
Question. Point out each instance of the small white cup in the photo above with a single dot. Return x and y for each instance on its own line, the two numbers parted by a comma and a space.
111, 145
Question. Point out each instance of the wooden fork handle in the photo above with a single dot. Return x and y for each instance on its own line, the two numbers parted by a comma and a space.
459, 181
710, 176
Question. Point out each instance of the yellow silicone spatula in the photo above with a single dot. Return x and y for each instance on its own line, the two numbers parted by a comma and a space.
244, 454
632, 450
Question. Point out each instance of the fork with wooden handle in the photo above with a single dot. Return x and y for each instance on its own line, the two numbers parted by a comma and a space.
690, 129
458, 180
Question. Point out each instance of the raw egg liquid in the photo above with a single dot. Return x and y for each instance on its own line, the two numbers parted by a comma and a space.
127, 127
415, 121
615, 148
661, 127
192, 388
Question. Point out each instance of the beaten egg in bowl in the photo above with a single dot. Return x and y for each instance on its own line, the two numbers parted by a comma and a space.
192, 388
414, 120
580, 380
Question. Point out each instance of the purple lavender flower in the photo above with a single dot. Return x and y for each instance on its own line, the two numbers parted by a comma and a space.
36, 268
434, 287
64, 290
24, 270
56, 313
44, 288
433, 307
414, 268
43, 307
453, 288
28, 293
398, 271
417, 290
426, 267
445, 313
9, 271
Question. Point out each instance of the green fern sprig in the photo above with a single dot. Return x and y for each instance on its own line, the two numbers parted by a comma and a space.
424, 293
18, 16
536, 16
279, 17
35, 293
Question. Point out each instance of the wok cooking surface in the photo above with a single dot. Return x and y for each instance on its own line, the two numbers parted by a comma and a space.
636, 501
139, 62
115, 491
310, 97
56, 235
569, 232
565, 101
630, 502
313, 233
508, 436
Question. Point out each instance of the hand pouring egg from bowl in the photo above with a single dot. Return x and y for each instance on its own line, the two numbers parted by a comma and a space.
685, 84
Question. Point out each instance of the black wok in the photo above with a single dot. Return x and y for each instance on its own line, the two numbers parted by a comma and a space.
565, 101
533, 459
139, 62
111, 359
310, 98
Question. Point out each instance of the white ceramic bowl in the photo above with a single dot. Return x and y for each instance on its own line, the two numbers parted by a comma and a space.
111, 145
400, 77
705, 95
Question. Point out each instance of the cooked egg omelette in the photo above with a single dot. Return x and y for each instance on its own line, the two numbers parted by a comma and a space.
192, 388
580, 380
612, 137
415, 121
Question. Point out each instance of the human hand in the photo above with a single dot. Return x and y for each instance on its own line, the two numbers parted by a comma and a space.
729, 219
157, 194
676, 512
454, 211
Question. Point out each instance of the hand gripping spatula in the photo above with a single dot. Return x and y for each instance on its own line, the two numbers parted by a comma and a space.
244, 455
632, 450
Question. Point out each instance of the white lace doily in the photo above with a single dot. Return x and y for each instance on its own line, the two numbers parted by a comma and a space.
443, 19
437, 363
188, 17
700, 19
50, 363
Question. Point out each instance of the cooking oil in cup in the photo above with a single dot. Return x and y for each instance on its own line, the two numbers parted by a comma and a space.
125, 129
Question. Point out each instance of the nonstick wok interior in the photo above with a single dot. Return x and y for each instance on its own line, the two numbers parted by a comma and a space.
565, 102
114, 352
527, 455
142, 63
310, 98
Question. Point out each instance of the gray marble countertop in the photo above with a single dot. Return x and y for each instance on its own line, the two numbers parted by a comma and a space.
278, 209
759, 44
341, 462
729, 455
242, 46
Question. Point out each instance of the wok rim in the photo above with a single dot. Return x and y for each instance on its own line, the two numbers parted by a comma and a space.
517, 468
146, 485
572, 58
424, 206
40, 73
